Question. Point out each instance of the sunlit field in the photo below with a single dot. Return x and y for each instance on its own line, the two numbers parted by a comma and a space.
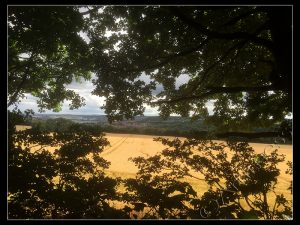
124, 146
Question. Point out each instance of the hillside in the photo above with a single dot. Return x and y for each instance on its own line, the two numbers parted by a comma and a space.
151, 125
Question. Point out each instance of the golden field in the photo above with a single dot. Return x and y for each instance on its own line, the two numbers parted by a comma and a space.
124, 146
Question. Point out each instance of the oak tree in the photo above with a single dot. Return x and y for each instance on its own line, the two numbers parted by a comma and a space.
240, 57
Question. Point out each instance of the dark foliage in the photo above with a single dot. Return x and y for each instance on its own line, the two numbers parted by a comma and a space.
59, 174
240, 182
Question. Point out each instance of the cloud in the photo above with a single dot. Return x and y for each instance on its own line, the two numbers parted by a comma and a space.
151, 111
210, 106
84, 36
93, 102
182, 79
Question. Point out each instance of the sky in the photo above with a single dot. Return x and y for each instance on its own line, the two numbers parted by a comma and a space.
93, 102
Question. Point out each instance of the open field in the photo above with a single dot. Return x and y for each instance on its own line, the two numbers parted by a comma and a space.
22, 127
124, 146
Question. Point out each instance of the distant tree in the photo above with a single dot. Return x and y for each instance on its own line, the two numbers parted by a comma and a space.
58, 125
45, 52
240, 57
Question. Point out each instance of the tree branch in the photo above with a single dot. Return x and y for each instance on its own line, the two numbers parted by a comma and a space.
13, 68
171, 57
241, 89
204, 76
241, 16
196, 48
216, 90
248, 203
13, 98
237, 46
16, 93
217, 35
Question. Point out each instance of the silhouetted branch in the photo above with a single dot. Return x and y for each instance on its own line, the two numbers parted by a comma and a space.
171, 57
242, 16
13, 98
217, 90
239, 45
217, 35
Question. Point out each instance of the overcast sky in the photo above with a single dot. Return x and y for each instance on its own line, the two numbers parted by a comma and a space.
93, 103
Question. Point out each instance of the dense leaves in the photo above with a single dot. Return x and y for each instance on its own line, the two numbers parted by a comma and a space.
233, 55
59, 175
232, 170
174, 58
45, 52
